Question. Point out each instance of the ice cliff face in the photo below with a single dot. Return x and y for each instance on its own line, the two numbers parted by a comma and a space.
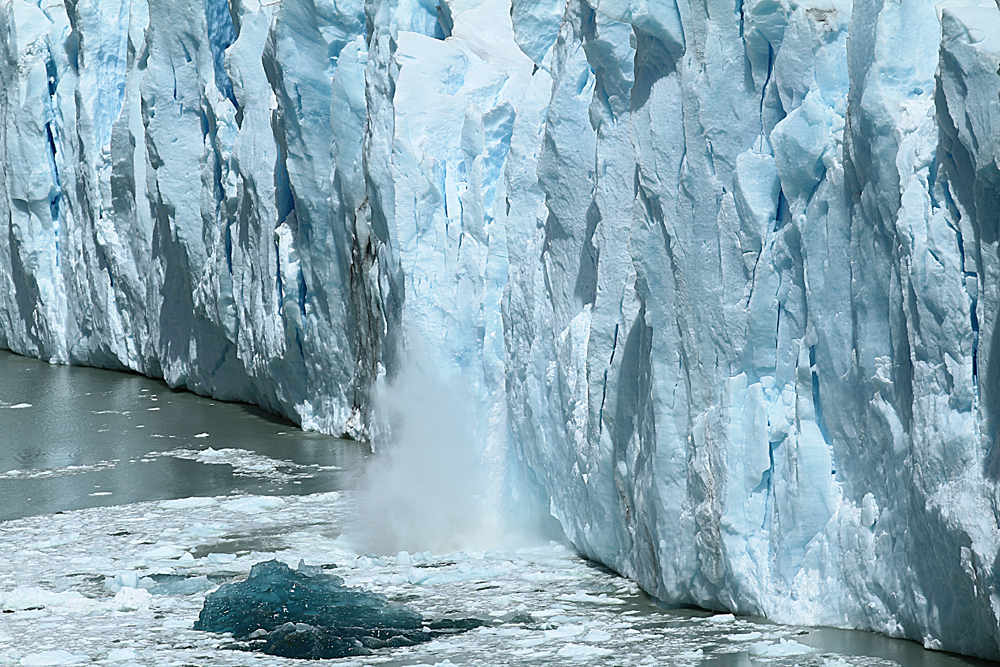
726, 274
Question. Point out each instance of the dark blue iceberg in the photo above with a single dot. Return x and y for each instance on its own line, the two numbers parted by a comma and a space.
307, 613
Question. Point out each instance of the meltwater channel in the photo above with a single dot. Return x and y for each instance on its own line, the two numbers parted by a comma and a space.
112, 480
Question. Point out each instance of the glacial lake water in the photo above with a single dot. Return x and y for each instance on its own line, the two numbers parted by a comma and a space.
73, 437
109, 478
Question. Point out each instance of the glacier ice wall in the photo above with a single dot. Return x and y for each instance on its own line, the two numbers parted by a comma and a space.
724, 274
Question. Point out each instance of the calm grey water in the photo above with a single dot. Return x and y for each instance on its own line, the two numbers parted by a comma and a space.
73, 438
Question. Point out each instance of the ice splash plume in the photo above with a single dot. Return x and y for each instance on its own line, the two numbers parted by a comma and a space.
432, 485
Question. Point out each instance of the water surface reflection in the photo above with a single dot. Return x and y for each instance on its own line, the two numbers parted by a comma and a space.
74, 437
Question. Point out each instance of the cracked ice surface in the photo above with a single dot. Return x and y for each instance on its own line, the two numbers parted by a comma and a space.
80, 597
726, 274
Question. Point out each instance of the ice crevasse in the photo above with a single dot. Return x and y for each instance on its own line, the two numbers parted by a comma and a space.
725, 274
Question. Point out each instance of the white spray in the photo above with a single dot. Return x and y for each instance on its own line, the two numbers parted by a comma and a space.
432, 484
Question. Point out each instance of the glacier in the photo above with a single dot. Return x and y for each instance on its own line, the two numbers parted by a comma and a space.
724, 276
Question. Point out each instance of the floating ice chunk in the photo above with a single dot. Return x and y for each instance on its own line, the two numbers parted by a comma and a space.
24, 599
254, 504
783, 647
201, 435
219, 559
20, 406
697, 653
131, 599
745, 637
188, 503
322, 498
164, 552
121, 655
53, 658
403, 559
121, 580
580, 596
582, 652
568, 630
721, 618
596, 636
546, 613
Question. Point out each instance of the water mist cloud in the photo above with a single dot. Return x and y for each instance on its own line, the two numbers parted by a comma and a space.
425, 488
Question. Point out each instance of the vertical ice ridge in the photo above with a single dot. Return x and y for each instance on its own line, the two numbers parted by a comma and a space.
221, 33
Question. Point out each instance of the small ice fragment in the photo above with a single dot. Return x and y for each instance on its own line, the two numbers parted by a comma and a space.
52, 658
197, 435
121, 654
745, 637
254, 504
568, 630
163, 552
784, 647
131, 599
218, 559
597, 636
28, 599
581, 596
121, 580
188, 503
18, 407
582, 652
152, 409
403, 559
698, 653
721, 618
100, 493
